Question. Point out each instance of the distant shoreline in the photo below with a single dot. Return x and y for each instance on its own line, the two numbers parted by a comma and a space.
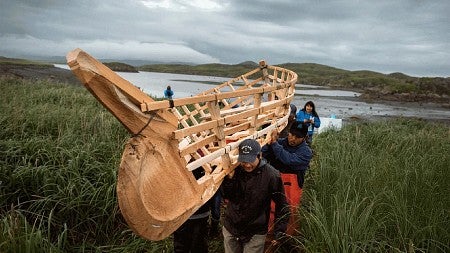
49, 72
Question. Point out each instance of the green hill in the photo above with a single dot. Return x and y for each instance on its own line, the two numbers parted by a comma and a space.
373, 85
120, 67
14, 61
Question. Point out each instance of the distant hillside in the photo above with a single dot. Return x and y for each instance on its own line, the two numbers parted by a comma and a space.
373, 85
7, 61
121, 67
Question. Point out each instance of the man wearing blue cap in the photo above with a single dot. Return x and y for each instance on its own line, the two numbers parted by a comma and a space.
249, 192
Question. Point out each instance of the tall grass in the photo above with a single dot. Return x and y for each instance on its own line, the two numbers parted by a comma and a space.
59, 154
379, 187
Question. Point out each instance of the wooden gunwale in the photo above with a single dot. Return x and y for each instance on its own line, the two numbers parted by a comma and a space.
157, 105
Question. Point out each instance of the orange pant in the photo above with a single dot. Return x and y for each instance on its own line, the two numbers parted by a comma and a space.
293, 195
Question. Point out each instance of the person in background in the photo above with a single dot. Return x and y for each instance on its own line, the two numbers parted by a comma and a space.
309, 116
291, 119
168, 93
249, 191
291, 156
191, 237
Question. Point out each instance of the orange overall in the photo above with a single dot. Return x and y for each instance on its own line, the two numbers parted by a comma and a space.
293, 195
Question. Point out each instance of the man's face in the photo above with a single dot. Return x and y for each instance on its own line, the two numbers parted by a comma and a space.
249, 167
294, 141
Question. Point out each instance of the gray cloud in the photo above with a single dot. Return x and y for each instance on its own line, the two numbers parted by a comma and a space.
409, 36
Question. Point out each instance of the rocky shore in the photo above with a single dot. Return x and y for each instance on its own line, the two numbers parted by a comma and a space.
440, 101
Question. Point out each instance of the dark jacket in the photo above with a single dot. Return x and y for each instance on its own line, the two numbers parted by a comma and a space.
249, 196
287, 159
205, 209
168, 94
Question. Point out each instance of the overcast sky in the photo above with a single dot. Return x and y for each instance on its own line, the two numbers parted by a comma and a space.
408, 36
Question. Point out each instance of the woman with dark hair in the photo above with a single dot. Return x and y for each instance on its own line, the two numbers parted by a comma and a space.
309, 116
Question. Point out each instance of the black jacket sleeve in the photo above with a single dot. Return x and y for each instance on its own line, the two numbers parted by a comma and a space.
227, 188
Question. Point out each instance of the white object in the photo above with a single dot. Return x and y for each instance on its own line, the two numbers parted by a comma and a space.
329, 123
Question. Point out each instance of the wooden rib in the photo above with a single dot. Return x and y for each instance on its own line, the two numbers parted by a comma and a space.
198, 144
219, 131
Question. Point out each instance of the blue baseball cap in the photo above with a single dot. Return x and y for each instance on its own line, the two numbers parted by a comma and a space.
249, 149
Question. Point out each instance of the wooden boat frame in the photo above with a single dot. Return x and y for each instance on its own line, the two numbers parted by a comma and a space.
156, 188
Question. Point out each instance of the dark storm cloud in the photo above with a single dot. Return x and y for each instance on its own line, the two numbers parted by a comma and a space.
409, 36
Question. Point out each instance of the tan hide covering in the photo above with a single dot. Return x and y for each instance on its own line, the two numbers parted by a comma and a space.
156, 188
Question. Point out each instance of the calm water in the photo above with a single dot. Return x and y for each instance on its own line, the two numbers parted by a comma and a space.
328, 102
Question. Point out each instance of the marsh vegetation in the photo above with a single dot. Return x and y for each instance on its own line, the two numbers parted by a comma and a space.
372, 187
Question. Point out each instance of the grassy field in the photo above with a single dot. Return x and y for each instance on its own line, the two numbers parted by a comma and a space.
23, 62
378, 187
